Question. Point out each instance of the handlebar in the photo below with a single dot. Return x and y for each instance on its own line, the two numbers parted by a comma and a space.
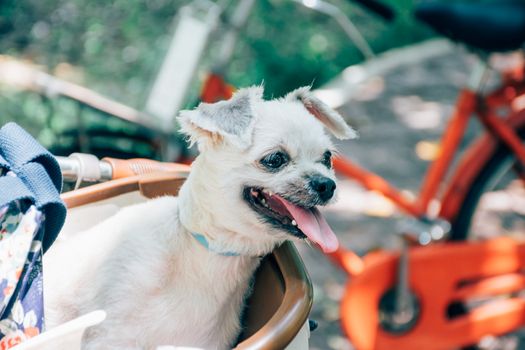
137, 166
382, 10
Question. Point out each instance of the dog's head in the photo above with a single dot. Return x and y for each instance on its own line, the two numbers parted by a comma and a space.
263, 167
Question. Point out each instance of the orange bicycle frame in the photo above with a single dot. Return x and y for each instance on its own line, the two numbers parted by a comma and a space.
467, 105
453, 272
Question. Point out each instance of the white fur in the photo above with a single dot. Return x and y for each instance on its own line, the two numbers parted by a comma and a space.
156, 282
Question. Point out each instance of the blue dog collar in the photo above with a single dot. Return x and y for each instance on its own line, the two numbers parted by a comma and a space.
204, 242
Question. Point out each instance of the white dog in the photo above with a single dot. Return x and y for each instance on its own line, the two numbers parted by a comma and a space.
177, 270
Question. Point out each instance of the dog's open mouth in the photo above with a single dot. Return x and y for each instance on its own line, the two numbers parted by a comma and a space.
298, 221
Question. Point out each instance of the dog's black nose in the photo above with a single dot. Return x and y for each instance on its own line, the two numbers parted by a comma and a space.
324, 186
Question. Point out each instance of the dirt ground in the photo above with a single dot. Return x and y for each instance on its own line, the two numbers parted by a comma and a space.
399, 118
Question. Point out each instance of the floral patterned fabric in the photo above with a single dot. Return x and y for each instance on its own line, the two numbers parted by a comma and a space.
21, 289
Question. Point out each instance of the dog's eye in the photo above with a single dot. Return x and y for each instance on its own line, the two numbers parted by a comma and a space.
275, 160
327, 159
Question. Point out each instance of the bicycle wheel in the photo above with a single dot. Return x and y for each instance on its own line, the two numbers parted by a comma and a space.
495, 200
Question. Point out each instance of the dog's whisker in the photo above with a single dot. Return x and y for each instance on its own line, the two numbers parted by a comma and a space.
307, 240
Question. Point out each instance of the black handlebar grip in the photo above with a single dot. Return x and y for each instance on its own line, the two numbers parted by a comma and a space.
378, 8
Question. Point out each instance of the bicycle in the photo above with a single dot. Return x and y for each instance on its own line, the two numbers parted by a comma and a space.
391, 302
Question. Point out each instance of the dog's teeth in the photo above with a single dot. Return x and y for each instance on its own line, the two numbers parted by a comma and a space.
294, 223
253, 193
267, 192
263, 201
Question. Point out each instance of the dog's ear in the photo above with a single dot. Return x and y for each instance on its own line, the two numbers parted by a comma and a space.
232, 120
326, 115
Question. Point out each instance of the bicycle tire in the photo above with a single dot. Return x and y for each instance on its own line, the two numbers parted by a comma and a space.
501, 157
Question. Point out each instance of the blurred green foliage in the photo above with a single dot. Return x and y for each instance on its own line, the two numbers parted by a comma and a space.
116, 47
288, 45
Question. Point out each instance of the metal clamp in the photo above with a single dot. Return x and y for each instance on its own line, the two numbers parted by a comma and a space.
82, 167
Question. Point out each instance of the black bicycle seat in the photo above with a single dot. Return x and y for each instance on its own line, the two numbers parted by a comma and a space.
493, 27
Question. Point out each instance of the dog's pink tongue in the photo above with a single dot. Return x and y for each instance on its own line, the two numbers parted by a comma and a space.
313, 225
